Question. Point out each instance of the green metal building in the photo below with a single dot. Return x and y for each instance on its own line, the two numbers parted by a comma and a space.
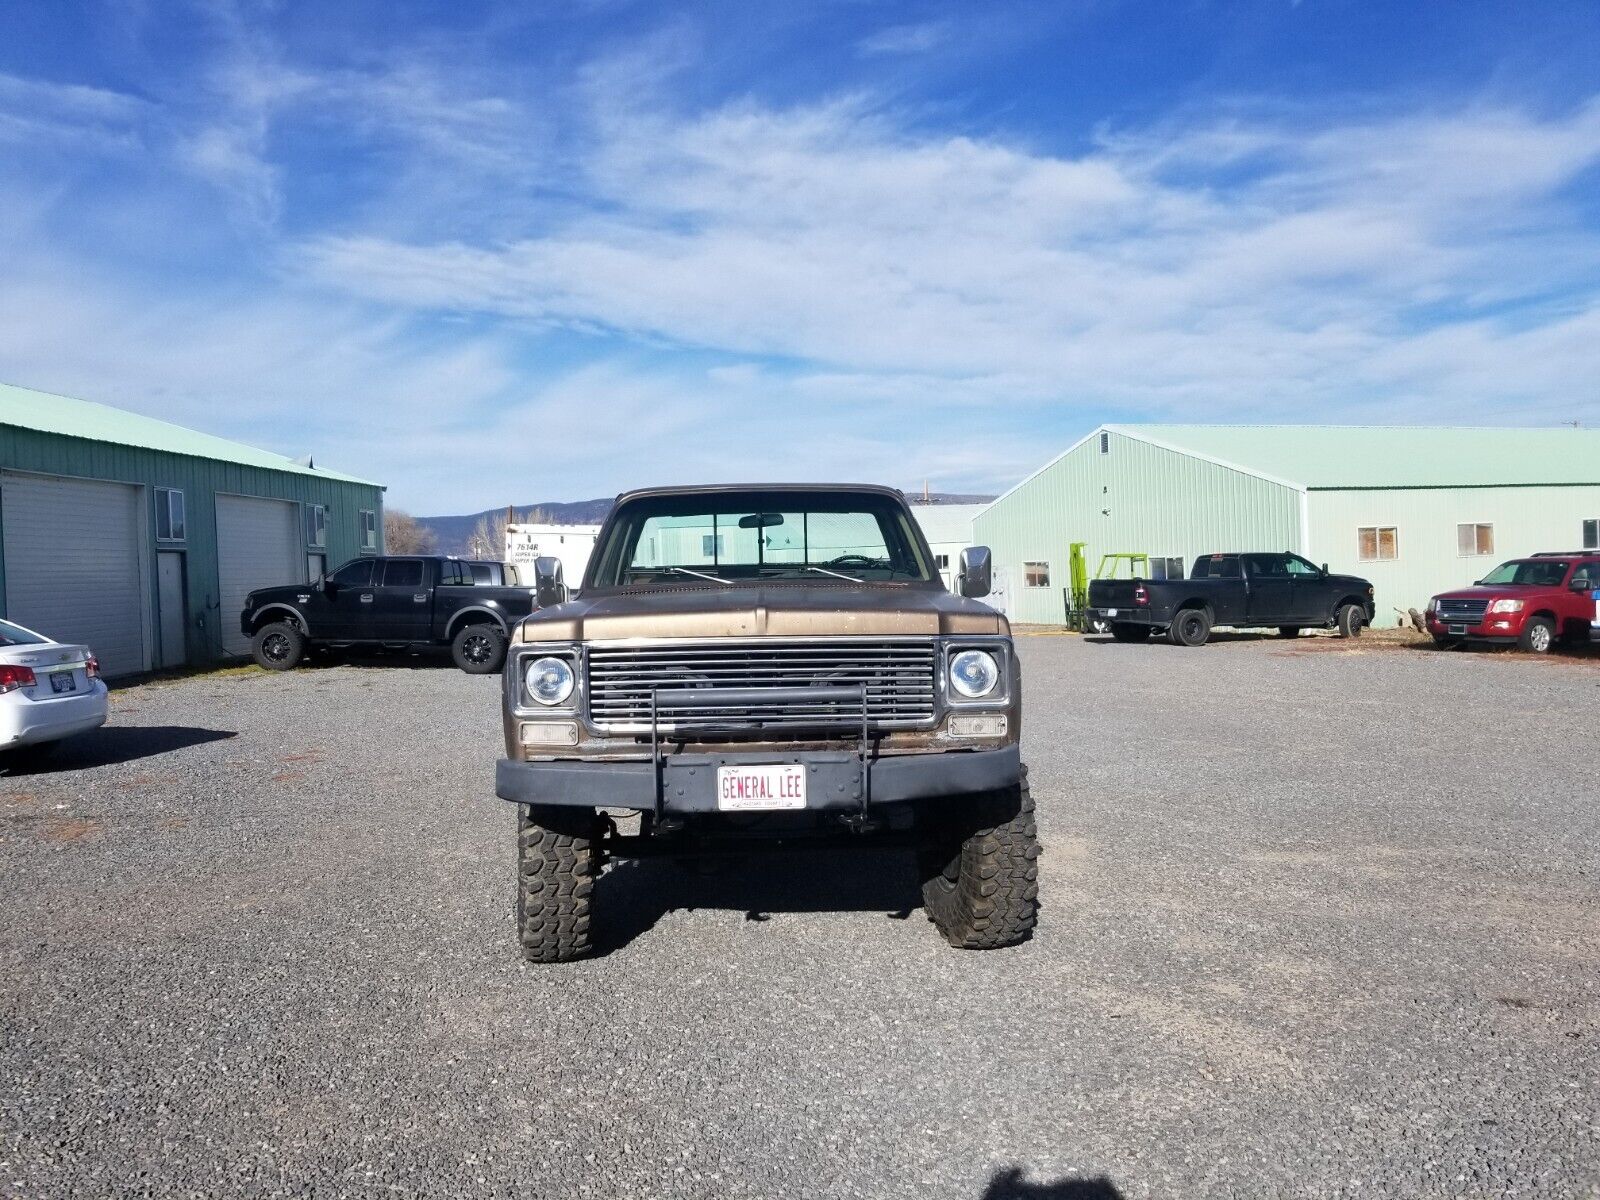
142, 538
1415, 510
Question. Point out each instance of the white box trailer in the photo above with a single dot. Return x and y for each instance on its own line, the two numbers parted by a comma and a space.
572, 544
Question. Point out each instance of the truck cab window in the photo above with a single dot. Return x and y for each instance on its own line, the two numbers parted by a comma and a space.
402, 572
353, 574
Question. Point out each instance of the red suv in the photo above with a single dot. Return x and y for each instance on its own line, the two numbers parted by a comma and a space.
1534, 602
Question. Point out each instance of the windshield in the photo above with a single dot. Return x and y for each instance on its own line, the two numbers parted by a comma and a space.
737, 537
16, 635
1529, 572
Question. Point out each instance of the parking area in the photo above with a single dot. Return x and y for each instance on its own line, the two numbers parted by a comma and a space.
1318, 918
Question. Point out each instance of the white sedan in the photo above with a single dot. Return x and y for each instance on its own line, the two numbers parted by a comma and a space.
48, 690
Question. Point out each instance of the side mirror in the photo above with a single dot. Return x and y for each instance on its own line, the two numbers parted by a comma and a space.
549, 588
1582, 586
327, 586
1324, 568
973, 579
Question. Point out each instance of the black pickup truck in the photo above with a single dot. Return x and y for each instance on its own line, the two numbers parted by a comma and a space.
404, 601
1239, 591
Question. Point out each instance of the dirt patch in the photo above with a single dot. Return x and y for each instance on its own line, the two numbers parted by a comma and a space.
310, 756
67, 830
288, 776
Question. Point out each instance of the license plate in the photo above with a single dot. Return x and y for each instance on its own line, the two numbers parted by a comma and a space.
755, 789
1111, 612
1458, 629
62, 681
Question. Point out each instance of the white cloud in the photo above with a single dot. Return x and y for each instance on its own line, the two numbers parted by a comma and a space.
906, 39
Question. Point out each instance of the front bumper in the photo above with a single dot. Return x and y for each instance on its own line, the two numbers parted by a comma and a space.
688, 781
1500, 629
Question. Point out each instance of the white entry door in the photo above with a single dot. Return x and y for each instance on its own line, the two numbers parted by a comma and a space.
74, 563
258, 546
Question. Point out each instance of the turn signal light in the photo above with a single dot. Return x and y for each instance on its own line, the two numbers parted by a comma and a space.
92, 667
1140, 595
12, 678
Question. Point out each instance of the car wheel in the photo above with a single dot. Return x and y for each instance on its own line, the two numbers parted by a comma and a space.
1191, 627
278, 647
479, 649
1288, 631
1538, 636
1122, 631
557, 862
980, 868
1350, 620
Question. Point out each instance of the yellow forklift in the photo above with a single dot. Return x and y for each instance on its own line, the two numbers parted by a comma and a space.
1111, 565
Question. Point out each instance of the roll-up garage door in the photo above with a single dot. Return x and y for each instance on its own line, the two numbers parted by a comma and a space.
72, 564
258, 546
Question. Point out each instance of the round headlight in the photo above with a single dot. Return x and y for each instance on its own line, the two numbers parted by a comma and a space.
549, 680
974, 673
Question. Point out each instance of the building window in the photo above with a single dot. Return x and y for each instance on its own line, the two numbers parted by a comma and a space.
369, 529
1105, 443
941, 562
316, 525
1036, 574
1474, 539
1379, 543
711, 545
169, 515
1591, 535
1165, 568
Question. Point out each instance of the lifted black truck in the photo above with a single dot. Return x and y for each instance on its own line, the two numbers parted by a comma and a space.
1237, 591
397, 602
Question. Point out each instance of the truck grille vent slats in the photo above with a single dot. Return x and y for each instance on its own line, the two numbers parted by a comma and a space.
899, 678
1469, 611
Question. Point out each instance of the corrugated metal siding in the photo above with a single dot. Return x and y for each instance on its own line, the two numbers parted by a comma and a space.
200, 480
1526, 520
1137, 498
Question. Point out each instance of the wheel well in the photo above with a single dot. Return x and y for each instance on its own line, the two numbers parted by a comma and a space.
1547, 614
272, 616
477, 617
1193, 602
1358, 601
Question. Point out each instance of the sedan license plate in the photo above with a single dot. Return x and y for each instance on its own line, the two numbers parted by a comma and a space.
63, 681
1458, 629
756, 789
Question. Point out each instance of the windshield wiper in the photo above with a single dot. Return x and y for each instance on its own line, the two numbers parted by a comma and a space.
835, 574
701, 575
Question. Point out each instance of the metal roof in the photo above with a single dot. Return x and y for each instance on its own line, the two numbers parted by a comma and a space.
67, 417
1336, 457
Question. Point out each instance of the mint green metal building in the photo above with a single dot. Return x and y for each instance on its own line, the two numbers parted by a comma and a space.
141, 538
1415, 510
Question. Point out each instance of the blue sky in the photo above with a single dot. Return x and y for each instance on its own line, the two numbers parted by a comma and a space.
490, 253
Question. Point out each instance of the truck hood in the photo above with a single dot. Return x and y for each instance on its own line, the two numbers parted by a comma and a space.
1507, 591
765, 610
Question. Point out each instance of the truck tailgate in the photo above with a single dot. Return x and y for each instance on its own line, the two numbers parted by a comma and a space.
1111, 593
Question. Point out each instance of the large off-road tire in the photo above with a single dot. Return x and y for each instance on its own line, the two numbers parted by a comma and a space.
557, 862
279, 646
1190, 627
980, 868
479, 649
1350, 620
1538, 636
1125, 631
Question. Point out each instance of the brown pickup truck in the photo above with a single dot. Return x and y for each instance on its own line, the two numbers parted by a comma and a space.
766, 667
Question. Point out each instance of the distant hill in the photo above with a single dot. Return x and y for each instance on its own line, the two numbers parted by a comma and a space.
453, 532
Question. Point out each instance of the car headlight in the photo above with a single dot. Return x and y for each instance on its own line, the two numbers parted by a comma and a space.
1433, 605
974, 673
549, 680
1506, 606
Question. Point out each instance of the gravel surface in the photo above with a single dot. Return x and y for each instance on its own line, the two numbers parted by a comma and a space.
1316, 922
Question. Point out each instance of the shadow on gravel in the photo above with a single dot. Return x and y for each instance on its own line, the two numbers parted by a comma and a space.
633, 895
116, 744
1012, 1184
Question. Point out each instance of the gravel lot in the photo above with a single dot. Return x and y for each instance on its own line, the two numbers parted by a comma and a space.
1317, 922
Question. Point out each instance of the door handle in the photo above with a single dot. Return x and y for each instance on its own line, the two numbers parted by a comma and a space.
366, 597
420, 597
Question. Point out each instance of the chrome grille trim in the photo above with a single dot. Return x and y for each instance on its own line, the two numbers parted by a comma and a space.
1469, 611
899, 674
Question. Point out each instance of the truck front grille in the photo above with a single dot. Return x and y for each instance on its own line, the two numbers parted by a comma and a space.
1469, 612
899, 676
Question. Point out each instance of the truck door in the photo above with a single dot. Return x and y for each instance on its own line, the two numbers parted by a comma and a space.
1271, 590
403, 604
344, 607
1313, 595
